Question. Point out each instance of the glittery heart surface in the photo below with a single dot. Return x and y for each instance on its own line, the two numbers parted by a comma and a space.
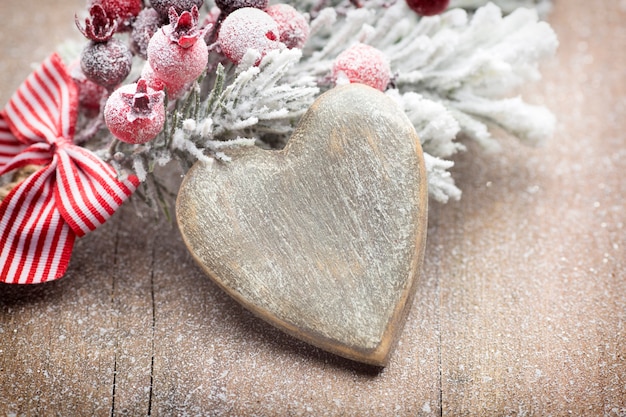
325, 238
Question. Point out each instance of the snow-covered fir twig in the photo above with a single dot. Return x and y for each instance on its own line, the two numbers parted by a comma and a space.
452, 74
543, 6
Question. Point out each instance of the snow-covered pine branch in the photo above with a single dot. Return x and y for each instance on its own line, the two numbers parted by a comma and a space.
448, 58
453, 72
507, 6
437, 129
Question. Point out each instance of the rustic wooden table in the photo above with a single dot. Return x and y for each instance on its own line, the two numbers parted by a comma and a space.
521, 310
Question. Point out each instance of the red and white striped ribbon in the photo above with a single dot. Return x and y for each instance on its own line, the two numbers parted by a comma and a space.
9, 148
72, 194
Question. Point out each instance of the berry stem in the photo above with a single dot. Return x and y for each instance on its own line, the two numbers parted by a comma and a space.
113, 146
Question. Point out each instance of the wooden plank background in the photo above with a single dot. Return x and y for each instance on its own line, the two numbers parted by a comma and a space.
521, 310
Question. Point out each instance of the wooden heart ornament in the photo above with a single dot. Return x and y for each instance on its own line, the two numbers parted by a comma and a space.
325, 238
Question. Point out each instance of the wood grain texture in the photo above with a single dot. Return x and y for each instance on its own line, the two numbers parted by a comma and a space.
520, 310
325, 238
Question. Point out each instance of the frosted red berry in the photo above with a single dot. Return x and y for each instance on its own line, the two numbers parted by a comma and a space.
292, 25
229, 6
362, 64
248, 28
106, 63
144, 27
135, 113
177, 52
428, 7
163, 6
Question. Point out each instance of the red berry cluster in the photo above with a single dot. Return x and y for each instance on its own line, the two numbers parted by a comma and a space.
166, 34
169, 36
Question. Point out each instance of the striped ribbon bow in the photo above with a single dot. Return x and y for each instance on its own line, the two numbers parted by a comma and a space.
73, 192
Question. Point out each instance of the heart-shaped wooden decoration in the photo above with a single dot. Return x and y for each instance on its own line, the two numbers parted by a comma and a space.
325, 238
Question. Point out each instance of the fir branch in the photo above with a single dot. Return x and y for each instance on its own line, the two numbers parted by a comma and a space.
452, 55
531, 124
435, 124
453, 74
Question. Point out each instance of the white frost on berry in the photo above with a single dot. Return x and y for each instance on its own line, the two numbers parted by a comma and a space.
134, 113
173, 64
248, 28
292, 25
364, 64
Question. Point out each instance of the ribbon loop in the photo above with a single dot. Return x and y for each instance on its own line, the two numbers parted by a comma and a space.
35, 243
45, 106
10, 147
